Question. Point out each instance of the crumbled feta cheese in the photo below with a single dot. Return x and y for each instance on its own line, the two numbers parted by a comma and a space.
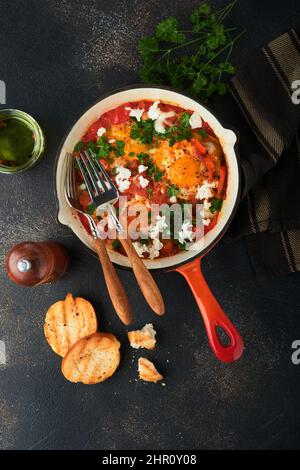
195, 121
142, 168
158, 227
154, 111
122, 178
186, 232
206, 204
123, 173
123, 185
206, 222
173, 199
82, 187
205, 213
143, 181
140, 248
159, 123
111, 141
137, 113
159, 117
155, 248
101, 131
152, 250
204, 191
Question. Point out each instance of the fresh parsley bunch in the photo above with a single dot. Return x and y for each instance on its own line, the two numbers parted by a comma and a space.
196, 59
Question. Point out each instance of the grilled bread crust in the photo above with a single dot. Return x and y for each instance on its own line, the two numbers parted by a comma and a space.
147, 371
144, 338
92, 359
67, 321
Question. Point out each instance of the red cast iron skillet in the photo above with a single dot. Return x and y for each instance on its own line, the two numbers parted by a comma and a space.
186, 263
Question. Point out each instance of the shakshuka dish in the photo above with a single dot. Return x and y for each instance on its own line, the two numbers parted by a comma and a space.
158, 153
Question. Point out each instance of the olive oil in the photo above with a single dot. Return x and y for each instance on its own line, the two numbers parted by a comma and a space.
16, 142
22, 141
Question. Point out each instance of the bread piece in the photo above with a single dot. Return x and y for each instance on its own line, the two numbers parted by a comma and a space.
92, 359
144, 338
147, 371
67, 321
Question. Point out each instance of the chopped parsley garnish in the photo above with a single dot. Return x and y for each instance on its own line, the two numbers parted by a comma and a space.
150, 192
195, 58
156, 174
116, 244
180, 131
90, 209
143, 157
143, 131
79, 146
104, 148
152, 170
172, 190
131, 154
119, 150
216, 205
202, 133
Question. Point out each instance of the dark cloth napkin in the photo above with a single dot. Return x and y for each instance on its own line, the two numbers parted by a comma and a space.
260, 107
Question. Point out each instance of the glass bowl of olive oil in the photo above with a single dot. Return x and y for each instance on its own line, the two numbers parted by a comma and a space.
22, 142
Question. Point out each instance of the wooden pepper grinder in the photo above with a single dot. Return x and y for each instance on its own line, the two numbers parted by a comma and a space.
35, 263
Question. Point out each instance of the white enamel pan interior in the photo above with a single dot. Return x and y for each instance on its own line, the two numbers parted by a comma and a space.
227, 139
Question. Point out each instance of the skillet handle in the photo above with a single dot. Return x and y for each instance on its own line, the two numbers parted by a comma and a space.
212, 313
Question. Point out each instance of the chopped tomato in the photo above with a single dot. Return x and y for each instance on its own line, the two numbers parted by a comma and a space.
206, 127
140, 104
160, 195
84, 199
118, 115
92, 132
169, 248
222, 180
85, 223
135, 189
165, 107
201, 149
210, 166
212, 224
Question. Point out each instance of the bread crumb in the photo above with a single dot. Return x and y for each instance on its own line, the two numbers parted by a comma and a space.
144, 338
148, 371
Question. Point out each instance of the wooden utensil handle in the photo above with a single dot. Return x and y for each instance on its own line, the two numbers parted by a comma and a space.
114, 286
146, 282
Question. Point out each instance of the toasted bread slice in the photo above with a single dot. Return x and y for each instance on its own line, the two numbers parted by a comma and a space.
92, 359
148, 371
67, 321
144, 338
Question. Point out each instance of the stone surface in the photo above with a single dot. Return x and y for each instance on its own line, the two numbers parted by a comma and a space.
58, 57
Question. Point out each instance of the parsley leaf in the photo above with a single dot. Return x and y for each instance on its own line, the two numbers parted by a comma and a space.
116, 244
195, 59
168, 30
172, 190
90, 209
150, 192
216, 205
119, 150
143, 131
202, 133
79, 146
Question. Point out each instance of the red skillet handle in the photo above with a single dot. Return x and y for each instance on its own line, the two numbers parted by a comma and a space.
212, 314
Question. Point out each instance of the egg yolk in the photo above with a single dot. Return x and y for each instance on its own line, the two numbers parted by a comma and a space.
186, 171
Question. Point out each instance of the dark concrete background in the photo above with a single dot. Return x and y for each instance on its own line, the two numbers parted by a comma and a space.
57, 57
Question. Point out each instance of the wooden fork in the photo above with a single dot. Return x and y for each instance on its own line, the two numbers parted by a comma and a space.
103, 193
